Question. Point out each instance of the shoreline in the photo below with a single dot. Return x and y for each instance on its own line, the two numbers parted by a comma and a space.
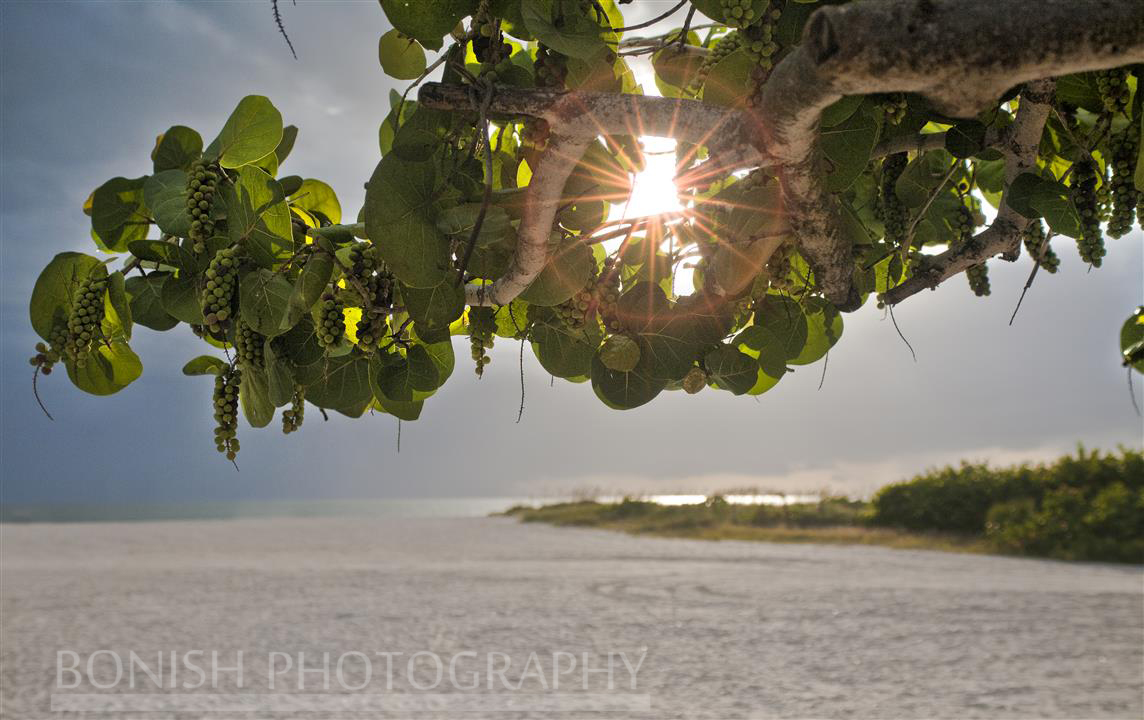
712, 523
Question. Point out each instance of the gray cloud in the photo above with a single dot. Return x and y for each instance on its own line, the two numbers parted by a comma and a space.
119, 74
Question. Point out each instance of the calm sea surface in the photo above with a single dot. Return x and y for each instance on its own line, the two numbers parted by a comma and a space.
393, 507
487, 613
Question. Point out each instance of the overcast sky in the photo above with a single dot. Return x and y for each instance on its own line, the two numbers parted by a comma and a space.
87, 86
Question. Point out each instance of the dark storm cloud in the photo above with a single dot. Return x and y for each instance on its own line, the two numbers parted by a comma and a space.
87, 86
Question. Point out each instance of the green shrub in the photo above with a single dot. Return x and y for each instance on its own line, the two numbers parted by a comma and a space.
1084, 507
1011, 525
950, 499
827, 512
627, 508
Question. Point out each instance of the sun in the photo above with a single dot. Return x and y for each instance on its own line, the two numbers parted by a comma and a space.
654, 193
653, 189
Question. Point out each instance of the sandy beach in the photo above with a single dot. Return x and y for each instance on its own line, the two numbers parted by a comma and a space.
722, 630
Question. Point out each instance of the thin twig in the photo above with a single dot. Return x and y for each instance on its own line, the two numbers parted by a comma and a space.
686, 27
908, 242
1029, 282
657, 41
903, 337
488, 193
1132, 392
825, 363
1073, 138
36, 393
281, 29
653, 21
520, 413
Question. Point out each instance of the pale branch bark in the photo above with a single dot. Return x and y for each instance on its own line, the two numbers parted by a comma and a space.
789, 113
964, 54
960, 54
542, 199
575, 120
1019, 145
589, 115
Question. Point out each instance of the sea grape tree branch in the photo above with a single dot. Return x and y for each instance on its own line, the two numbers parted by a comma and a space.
961, 55
1019, 145
577, 119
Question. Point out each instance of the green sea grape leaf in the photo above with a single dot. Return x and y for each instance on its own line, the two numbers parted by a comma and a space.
253, 131
205, 365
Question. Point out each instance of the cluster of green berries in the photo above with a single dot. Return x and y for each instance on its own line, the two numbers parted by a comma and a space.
292, 416
202, 181
695, 380
226, 411
370, 329
361, 261
218, 293
85, 318
606, 289
482, 331
331, 319
598, 297
1090, 244
483, 24
249, 346
488, 46
1124, 146
978, 277
726, 45
1042, 252
888, 207
574, 310
551, 67
364, 270
1103, 196
893, 107
759, 38
48, 355
964, 226
1113, 88
738, 13
779, 267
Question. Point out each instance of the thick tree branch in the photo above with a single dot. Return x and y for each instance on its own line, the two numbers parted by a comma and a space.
542, 200
576, 119
961, 54
1019, 145
589, 115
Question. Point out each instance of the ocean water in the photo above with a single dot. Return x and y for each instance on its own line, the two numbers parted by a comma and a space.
390, 507
487, 613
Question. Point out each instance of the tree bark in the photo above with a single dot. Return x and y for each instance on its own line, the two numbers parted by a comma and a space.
960, 54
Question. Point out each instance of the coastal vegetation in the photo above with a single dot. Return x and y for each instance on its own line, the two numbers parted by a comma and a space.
1087, 506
